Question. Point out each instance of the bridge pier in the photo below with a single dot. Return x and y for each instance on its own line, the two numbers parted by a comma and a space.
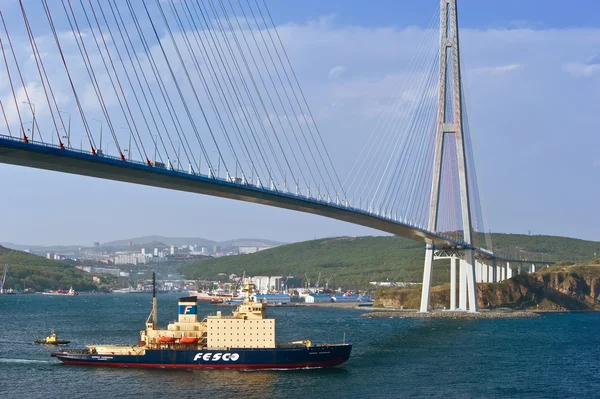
462, 285
453, 283
427, 270
520, 268
490, 271
532, 268
498, 272
508, 270
486, 274
470, 277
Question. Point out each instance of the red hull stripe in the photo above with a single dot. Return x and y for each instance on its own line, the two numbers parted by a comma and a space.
330, 363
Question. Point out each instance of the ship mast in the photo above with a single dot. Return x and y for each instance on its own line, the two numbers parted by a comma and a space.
3, 279
154, 313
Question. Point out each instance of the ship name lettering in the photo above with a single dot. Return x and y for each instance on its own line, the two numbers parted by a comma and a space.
209, 356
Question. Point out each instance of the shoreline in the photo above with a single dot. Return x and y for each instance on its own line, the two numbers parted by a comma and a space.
445, 314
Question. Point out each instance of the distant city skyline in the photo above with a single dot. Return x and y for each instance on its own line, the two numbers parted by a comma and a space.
533, 84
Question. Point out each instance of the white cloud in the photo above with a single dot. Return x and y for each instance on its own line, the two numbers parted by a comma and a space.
581, 70
336, 72
499, 69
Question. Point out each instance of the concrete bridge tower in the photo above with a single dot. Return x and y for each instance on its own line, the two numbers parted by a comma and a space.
449, 122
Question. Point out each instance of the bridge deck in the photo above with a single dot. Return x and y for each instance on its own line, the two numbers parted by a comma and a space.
45, 156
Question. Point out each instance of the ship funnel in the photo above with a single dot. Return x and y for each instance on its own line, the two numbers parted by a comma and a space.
188, 310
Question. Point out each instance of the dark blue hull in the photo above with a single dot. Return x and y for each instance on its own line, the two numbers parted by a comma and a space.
274, 358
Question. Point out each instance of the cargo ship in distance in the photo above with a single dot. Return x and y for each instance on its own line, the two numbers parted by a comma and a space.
243, 340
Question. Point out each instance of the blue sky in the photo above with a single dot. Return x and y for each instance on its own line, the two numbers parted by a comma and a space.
533, 84
472, 13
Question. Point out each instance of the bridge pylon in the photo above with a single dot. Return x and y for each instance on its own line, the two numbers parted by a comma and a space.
449, 122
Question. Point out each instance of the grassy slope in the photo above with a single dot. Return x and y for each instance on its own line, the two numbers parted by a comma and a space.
353, 262
41, 273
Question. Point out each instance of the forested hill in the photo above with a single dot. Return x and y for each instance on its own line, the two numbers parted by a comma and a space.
40, 273
352, 262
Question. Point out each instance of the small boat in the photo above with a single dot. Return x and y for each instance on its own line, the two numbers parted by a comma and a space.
71, 292
52, 339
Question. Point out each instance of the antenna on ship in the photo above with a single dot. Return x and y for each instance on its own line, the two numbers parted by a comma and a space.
154, 314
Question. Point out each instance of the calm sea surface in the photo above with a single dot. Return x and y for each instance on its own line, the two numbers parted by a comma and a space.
555, 356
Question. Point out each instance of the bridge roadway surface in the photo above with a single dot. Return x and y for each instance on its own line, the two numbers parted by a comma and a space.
15, 151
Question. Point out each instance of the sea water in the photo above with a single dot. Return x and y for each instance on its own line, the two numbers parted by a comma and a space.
554, 356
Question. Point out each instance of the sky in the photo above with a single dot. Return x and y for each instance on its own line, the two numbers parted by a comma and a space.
532, 78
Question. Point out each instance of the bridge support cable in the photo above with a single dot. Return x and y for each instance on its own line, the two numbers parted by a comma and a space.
481, 238
39, 62
255, 85
340, 185
404, 147
79, 40
281, 107
129, 118
394, 104
119, 94
12, 87
269, 115
62, 56
136, 73
34, 121
216, 80
185, 69
224, 103
208, 91
5, 119
179, 89
227, 78
391, 124
230, 82
114, 70
138, 70
317, 165
408, 155
164, 93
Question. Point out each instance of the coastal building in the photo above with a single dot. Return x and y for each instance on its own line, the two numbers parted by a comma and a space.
87, 269
266, 283
130, 259
272, 299
345, 298
317, 298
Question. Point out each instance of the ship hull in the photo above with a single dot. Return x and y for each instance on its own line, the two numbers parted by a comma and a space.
242, 358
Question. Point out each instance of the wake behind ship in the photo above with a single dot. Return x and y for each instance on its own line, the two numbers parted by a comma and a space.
243, 340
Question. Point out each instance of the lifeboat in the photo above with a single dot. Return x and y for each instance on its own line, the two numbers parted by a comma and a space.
165, 340
188, 340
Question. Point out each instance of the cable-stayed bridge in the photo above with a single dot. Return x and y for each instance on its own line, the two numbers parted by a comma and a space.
201, 96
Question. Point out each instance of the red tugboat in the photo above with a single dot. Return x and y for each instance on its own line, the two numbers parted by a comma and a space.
243, 340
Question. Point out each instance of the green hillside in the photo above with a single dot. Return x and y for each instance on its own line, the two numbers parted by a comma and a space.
41, 273
354, 261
